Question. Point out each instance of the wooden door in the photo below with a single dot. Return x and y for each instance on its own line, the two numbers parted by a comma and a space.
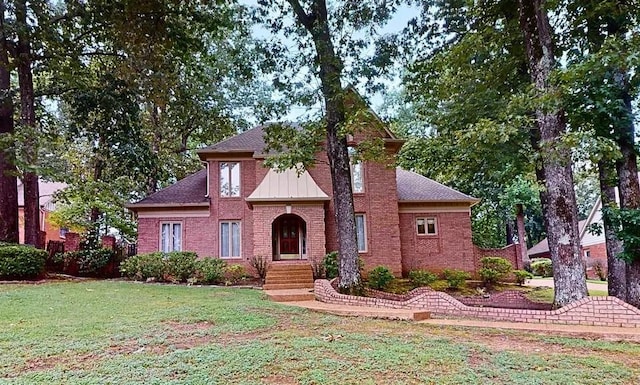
289, 236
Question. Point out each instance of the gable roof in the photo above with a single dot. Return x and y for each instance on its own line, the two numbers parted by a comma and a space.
190, 191
248, 141
413, 187
542, 247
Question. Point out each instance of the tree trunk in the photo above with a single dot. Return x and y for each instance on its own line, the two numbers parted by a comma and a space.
28, 120
317, 24
616, 268
509, 231
628, 185
522, 235
560, 210
8, 180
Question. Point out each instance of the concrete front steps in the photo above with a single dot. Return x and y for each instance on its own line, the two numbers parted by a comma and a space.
288, 276
290, 295
288, 282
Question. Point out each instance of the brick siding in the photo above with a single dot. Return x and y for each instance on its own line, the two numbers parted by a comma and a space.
450, 248
511, 253
592, 311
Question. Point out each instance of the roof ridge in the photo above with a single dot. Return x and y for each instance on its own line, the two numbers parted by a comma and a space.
260, 126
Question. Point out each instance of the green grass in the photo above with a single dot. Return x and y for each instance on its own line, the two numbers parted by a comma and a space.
113, 332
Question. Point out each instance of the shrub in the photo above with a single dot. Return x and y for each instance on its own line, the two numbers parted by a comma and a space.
144, 266
210, 271
439, 285
317, 267
542, 267
179, 265
260, 264
420, 278
522, 276
600, 270
21, 261
233, 274
331, 266
380, 277
494, 269
89, 262
455, 278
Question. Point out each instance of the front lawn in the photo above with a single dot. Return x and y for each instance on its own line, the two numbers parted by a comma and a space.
109, 332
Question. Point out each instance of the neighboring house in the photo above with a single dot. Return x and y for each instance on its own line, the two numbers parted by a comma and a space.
592, 246
47, 206
236, 209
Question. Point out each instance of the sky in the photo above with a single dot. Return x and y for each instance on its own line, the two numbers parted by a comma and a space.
396, 24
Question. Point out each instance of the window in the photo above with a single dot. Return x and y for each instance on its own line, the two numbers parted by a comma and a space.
587, 253
229, 179
426, 226
230, 239
357, 172
361, 232
63, 232
170, 237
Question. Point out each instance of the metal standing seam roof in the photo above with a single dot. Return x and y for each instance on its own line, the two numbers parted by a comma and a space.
287, 185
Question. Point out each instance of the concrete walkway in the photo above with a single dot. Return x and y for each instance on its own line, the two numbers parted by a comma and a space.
548, 282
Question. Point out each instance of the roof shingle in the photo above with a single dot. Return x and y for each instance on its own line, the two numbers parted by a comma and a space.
191, 190
413, 187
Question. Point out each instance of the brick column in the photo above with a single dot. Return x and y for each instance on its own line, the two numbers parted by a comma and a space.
108, 242
72, 242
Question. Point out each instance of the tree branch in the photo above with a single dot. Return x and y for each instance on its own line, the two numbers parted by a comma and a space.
301, 14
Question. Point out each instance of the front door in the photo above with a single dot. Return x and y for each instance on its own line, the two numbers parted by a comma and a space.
289, 236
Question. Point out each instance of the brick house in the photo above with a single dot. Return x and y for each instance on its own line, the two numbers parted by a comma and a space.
234, 208
592, 246
47, 206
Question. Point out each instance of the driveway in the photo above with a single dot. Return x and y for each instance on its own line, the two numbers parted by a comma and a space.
536, 282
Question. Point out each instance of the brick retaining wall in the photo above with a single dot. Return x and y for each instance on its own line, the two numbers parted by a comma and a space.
594, 311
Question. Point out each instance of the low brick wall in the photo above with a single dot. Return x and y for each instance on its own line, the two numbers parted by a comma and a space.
511, 253
594, 311
509, 299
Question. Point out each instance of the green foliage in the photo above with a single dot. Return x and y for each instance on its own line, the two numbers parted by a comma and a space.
331, 266
455, 278
380, 277
210, 270
21, 262
260, 264
233, 274
522, 276
421, 278
89, 261
180, 265
627, 225
440, 285
494, 269
542, 267
144, 267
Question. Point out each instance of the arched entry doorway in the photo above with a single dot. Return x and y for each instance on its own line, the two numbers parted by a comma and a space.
289, 234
